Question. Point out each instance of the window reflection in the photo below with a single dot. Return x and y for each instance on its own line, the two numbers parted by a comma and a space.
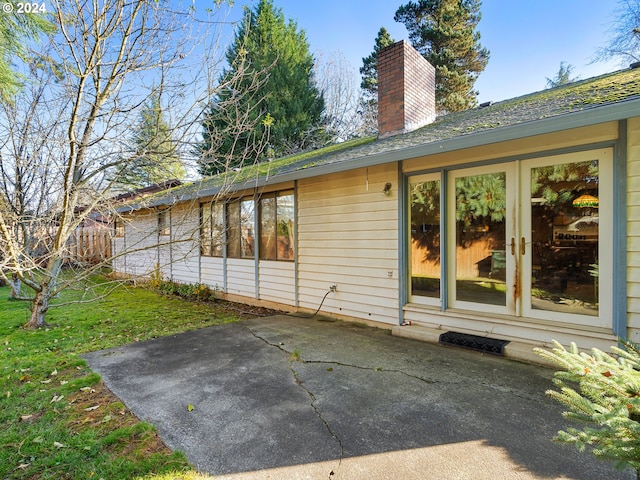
564, 229
425, 238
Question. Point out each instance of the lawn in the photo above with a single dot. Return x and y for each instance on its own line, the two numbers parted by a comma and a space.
57, 419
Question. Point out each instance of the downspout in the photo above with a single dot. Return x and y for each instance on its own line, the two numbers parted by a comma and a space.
225, 222
200, 225
124, 247
256, 246
444, 225
171, 244
620, 232
296, 279
157, 212
403, 260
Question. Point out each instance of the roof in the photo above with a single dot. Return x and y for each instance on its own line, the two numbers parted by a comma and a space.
613, 96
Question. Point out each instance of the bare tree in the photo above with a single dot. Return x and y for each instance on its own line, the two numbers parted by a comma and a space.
337, 81
66, 130
624, 35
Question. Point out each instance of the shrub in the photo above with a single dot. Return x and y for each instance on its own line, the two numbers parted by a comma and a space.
189, 291
603, 392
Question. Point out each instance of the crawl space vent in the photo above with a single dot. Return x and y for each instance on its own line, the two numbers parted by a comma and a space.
474, 342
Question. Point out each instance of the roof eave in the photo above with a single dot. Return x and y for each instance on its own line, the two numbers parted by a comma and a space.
583, 118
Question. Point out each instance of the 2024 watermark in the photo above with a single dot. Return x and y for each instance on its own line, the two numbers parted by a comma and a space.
21, 8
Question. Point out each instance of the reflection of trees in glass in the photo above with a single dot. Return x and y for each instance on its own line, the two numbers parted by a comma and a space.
481, 198
246, 222
425, 218
558, 185
285, 226
481, 205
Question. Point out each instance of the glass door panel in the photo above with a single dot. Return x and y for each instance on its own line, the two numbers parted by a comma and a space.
564, 237
424, 247
479, 201
567, 222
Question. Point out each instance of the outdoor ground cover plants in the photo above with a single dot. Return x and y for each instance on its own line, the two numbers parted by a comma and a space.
57, 420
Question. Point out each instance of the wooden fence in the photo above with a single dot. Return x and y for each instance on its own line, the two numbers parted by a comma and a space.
90, 245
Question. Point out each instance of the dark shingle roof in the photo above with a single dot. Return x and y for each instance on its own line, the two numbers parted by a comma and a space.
610, 89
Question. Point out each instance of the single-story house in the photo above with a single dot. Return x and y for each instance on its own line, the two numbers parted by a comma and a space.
496, 222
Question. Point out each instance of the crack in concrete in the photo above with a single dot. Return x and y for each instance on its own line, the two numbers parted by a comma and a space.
294, 356
376, 369
310, 394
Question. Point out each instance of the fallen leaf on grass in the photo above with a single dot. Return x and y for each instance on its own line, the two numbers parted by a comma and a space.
90, 409
23, 465
46, 381
56, 398
24, 418
58, 445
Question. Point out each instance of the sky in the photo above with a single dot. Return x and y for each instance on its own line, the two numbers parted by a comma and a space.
527, 39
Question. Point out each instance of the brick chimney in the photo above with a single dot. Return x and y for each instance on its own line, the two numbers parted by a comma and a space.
406, 90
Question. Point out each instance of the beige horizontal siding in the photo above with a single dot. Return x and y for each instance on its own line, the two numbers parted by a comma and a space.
241, 277
348, 235
117, 247
277, 282
141, 232
211, 272
185, 247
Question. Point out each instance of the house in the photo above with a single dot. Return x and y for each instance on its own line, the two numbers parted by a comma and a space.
517, 221
90, 242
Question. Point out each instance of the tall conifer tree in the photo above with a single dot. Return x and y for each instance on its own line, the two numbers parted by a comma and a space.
369, 84
16, 29
153, 151
444, 32
276, 92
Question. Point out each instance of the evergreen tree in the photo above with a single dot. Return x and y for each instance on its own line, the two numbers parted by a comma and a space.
601, 391
563, 76
270, 85
154, 156
369, 84
15, 30
443, 31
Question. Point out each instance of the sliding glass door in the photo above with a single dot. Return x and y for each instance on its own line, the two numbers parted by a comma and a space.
481, 229
530, 238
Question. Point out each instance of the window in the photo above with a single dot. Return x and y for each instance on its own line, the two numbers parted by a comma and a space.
163, 223
247, 226
275, 230
424, 248
276, 226
240, 228
212, 229
118, 226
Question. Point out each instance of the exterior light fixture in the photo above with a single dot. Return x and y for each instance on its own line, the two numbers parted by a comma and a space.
387, 189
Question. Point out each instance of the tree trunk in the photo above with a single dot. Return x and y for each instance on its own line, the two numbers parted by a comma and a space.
39, 308
16, 286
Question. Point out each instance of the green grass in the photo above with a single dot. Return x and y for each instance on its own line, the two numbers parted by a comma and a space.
57, 420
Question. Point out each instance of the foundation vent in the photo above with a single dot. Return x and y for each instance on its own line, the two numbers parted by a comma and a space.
474, 342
